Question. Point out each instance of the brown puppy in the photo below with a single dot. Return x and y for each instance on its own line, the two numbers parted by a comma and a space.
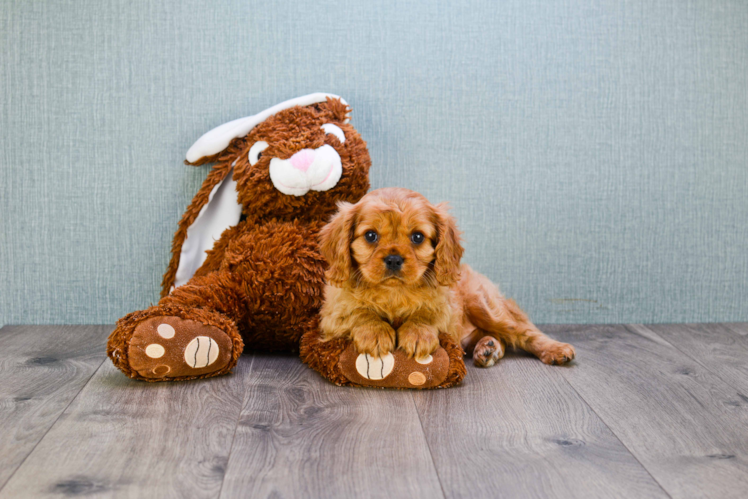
395, 281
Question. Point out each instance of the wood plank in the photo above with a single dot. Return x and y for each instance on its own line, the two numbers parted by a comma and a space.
42, 368
518, 430
300, 436
718, 348
684, 424
739, 328
127, 438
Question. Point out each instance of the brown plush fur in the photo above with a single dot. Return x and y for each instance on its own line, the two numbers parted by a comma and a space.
263, 281
381, 309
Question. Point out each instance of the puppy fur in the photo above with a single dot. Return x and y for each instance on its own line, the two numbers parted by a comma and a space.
424, 291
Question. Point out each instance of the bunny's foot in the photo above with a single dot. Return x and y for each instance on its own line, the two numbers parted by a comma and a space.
395, 369
174, 345
168, 346
339, 362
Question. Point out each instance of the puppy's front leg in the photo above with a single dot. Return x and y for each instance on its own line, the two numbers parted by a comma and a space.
417, 339
373, 336
370, 334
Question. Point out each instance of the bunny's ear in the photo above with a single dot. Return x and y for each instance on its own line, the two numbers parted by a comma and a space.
214, 209
209, 147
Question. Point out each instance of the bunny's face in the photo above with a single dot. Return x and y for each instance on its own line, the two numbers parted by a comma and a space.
301, 162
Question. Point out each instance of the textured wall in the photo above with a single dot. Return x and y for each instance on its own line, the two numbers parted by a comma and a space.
594, 152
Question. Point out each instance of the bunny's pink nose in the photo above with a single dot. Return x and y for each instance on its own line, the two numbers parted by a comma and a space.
302, 160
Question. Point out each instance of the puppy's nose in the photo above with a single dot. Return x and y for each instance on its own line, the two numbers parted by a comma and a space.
393, 262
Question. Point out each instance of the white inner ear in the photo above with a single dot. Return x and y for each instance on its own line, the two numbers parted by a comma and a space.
254, 152
329, 128
220, 213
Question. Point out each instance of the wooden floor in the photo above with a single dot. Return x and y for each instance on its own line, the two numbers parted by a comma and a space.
645, 411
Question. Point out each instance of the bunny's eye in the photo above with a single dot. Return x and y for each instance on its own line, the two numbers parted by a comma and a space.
256, 151
329, 128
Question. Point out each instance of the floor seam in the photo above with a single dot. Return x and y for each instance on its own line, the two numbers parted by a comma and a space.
428, 445
54, 423
618, 438
236, 428
697, 361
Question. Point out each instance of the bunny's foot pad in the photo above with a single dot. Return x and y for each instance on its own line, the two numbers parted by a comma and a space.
168, 346
339, 362
157, 347
395, 369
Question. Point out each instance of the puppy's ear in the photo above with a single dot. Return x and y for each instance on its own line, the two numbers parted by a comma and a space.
335, 243
448, 249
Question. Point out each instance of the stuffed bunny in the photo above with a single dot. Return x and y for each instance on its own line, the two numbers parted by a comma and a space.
245, 266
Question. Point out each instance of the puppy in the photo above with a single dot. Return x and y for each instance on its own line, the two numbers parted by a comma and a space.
395, 282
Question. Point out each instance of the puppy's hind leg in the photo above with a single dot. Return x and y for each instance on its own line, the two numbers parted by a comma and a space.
488, 310
488, 351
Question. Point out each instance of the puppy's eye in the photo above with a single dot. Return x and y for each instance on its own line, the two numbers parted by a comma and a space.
329, 128
371, 236
255, 152
417, 237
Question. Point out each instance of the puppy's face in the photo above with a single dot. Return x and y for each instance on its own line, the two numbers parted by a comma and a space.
392, 237
394, 241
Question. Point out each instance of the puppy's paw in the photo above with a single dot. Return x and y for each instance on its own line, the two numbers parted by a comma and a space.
374, 339
557, 353
488, 351
417, 340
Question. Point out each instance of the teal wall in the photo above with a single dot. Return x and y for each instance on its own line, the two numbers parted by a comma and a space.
595, 152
